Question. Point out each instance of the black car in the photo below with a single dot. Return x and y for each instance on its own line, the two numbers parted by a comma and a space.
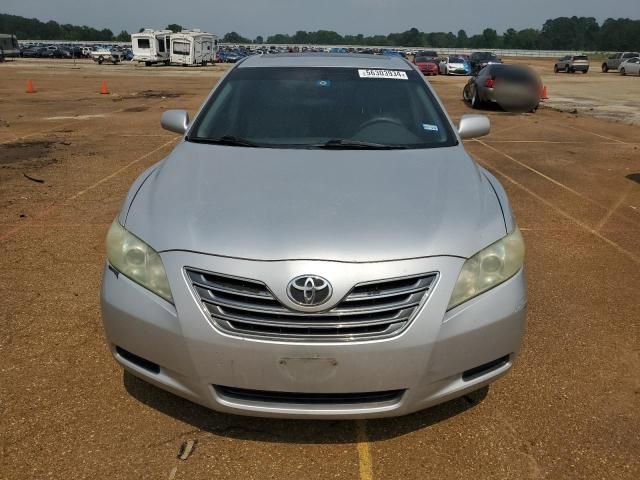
512, 87
30, 52
428, 54
479, 60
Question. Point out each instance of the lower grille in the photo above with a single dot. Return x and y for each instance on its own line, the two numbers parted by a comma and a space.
308, 398
370, 310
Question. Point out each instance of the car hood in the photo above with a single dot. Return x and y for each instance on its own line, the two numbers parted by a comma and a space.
342, 205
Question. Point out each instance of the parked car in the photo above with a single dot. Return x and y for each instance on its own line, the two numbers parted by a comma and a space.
512, 87
230, 56
427, 65
630, 66
572, 64
56, 52
615, 60
43, 52
428, 54
102, 54
479, 60
76, 52
454, 65
29, 52
319, 245
391, 53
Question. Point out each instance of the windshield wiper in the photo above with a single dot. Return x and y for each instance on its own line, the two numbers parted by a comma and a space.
226, 140
341, 143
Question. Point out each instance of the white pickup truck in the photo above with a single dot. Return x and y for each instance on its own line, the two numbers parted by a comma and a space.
614, 61
101, 55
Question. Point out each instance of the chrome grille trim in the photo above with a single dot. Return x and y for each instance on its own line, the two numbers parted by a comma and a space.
371, 310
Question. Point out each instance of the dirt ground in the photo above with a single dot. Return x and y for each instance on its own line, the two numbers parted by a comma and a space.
603, 95
568, 409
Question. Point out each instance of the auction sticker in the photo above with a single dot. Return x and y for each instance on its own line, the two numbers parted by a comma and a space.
392, 74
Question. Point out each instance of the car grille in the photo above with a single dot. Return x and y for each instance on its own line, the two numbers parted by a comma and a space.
370, 310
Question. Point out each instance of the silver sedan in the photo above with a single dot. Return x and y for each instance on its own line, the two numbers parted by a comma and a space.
318, 245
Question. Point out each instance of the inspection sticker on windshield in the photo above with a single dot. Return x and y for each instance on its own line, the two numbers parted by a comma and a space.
430, 128
392, 74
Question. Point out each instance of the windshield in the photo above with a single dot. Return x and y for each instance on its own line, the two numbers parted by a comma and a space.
456, 60
321, 107
424, 59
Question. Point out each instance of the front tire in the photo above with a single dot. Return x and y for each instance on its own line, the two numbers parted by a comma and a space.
100, 60
605, 68
622, 72
555, 69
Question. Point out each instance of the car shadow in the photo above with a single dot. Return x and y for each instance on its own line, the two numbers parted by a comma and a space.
292, 431
494, 107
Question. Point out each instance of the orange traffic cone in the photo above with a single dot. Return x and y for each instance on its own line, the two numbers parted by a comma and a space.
30, 88
544, 95
103, 88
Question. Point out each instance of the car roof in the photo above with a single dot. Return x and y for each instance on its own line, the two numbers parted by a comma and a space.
310, 60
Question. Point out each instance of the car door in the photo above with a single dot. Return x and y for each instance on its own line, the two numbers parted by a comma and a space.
632, 66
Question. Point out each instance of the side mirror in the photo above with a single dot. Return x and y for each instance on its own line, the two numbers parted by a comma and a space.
175, 121
472, 126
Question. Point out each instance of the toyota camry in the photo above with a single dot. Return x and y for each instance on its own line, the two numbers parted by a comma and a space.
318, 245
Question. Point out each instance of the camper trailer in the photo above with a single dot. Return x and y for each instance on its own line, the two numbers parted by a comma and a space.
193, 47
9, 46
151, 46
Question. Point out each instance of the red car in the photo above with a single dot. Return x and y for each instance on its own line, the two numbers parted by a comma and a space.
427, 66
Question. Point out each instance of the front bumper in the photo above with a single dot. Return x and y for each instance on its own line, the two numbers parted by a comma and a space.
426, 361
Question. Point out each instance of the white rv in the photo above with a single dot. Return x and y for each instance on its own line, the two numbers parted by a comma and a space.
151, 46
193, 47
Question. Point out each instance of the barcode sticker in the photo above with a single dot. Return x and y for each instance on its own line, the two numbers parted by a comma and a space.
392, 74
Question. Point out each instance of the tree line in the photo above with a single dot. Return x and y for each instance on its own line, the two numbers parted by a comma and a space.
563, 33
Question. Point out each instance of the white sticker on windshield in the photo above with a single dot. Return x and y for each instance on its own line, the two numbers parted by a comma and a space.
429, 127
392, 74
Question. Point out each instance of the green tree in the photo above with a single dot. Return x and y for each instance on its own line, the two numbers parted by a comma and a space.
490, 38
123, 36
174, 27
259, 40
462, 41
234, 37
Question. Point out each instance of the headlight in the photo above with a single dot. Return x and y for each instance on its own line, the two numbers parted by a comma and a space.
137, 261
488, 268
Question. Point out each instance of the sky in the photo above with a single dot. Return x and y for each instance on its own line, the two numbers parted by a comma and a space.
258, 17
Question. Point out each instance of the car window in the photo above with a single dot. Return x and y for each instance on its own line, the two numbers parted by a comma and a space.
515, 74
306, 107
456, 60
580, 57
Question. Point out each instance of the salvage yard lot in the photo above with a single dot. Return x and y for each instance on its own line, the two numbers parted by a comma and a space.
568, 409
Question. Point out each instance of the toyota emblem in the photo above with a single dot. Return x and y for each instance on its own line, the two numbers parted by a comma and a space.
309, 290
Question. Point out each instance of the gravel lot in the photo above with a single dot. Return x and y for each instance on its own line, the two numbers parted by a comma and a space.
569, 408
